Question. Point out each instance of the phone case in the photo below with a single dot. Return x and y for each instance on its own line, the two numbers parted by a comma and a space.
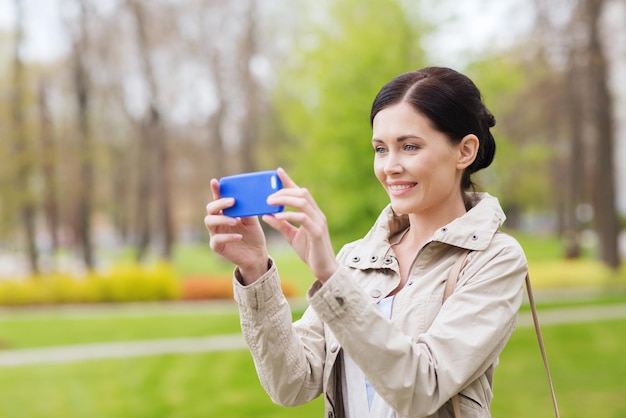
250, 191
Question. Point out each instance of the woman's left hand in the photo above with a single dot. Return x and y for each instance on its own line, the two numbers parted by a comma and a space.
310, 239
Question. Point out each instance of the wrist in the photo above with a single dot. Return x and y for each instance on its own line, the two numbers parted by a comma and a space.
325, 276
250, 274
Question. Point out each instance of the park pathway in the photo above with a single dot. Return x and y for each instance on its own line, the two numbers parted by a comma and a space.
125, 349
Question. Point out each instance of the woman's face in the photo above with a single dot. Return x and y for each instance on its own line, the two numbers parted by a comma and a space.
416, 164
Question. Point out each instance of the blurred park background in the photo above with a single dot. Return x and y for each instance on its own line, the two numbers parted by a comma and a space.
115, 114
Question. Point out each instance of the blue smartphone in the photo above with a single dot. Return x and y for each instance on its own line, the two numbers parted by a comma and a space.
250, 191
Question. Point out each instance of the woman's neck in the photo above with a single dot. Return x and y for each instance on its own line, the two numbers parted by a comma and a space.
424, 224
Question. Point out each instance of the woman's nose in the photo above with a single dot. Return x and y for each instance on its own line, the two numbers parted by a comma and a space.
392, 163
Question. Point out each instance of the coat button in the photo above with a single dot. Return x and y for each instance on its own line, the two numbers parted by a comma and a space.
388, 260
444, 229
356, 259
373, 258
375, 293
334, 347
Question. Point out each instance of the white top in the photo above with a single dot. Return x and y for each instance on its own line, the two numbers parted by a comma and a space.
360, 406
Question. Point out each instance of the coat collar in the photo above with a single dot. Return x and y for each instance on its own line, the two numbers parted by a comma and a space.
473, 231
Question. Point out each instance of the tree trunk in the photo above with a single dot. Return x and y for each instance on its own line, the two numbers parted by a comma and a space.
120, 188
249, 134
216, 143
604, 203
144, 191
156, 141
214, 124
576, 169
48, 167
164, 207
23, 158
84, 151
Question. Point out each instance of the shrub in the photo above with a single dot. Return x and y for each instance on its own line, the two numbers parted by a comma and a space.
129, 283
574, 273
124, 283
22, 292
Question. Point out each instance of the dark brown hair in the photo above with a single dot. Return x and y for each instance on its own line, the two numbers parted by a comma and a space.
452, 102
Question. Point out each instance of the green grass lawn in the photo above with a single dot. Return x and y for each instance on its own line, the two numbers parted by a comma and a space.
588, 369
56, 330
56, 327
586, 361
169, 386
193, 385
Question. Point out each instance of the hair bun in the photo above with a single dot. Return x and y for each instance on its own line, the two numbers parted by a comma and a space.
490, 119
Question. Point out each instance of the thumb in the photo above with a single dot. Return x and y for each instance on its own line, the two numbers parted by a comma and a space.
286, 229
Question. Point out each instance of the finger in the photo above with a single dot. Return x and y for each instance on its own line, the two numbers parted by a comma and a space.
218, 242
298, 202
217, 206
222, 239
293, 197
212, 222
215, 188
301, 201
286, 229
285, 179
314, 227
294, 191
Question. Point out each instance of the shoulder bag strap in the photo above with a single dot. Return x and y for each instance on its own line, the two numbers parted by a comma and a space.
453, 275
531, 300
449, 289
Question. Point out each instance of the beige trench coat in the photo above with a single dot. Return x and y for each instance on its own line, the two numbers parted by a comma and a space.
421, 357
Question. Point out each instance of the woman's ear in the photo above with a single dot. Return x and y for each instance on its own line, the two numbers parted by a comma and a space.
468, 150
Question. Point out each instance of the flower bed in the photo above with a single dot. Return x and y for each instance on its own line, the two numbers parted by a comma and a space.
217, 287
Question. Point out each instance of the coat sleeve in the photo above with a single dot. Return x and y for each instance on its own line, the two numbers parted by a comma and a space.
416, 376
289, 357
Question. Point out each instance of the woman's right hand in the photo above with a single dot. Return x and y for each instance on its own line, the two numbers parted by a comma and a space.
239, 240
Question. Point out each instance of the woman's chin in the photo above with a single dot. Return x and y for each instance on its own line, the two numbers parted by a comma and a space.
400, 209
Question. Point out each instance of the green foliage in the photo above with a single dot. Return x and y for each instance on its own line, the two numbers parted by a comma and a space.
123, 283
521, 172
324, 98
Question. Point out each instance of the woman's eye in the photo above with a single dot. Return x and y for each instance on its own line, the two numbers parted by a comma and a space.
411, 147
379, 150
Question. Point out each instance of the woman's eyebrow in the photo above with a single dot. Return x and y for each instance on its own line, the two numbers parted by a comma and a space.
400, 138
409, 136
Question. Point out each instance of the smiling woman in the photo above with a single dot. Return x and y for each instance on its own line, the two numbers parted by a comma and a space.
420, 162
376, 331
447, 103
